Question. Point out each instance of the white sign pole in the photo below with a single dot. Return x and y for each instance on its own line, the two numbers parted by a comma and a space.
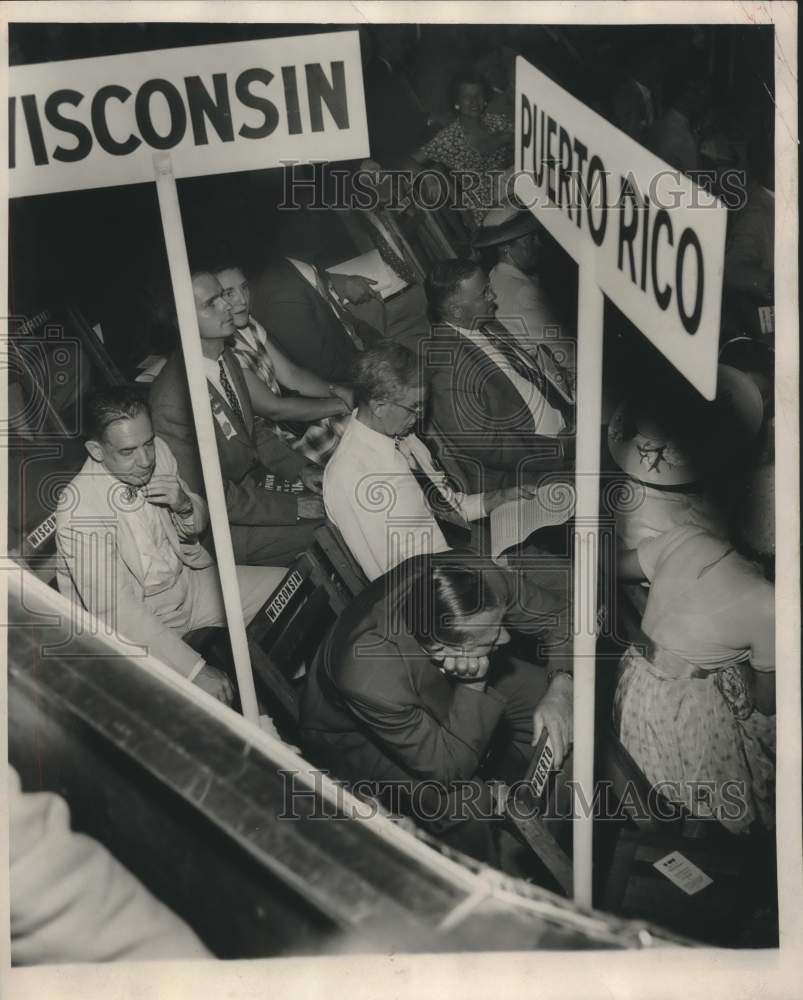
590, 307
204, 428
644, 235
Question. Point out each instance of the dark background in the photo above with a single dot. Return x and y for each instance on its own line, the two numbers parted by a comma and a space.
103, 249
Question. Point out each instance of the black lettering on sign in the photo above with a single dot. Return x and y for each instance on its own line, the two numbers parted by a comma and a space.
291, 100
281, 598
203, 106
596, 175
663, 296
645, 230
31, 113
549, 162
627, 229
270, 116
333, 94
526, 130
81, 133
175, 105
690, 321
100, 126
564, 170
12, 132
581, 152
40, 535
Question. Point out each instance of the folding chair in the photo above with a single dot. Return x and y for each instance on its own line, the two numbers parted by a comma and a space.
335, 558
531, 812
284, 636
37, 474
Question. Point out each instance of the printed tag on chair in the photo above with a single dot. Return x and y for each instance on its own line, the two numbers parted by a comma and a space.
684, 873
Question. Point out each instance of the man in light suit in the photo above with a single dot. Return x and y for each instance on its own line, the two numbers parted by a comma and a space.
268, 527
127, 532
498, 417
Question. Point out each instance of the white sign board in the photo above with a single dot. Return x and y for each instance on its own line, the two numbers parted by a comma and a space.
90, 123
653, 239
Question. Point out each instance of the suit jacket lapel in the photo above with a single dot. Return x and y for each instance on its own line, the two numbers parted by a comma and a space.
499, 386
227, 421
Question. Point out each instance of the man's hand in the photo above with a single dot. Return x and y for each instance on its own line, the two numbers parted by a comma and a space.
495, 498
554, 713
354, 287
166, 491
463, 667
216, 683
345, 393
312, 478
311, 508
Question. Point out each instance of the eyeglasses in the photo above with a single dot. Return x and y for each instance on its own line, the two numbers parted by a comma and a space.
417, 411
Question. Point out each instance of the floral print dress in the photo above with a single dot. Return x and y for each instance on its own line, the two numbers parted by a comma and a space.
452, 147
709, 613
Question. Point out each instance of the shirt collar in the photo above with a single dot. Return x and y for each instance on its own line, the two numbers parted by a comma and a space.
367, 436
472, 334
506, 266
380, 444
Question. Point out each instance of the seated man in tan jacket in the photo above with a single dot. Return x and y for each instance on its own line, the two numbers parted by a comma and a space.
127, 532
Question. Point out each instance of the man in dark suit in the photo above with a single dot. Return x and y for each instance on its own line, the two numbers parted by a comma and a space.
497, 417
296, 304
268, 528
412, 692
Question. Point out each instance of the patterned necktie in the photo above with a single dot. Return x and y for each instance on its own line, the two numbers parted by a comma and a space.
228, 389
396, 263
264, 362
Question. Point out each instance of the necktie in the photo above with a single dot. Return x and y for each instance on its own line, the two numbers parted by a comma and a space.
520, 362
529, 369
340, 312
396, 263
228, 389
434, 483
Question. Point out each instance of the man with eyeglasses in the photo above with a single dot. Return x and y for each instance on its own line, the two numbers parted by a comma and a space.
382, 488
270, 489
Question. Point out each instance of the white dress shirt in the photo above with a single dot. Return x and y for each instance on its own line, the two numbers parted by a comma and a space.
548, 421
372, 496
522, 306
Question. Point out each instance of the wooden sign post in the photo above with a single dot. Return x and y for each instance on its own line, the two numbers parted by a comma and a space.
653, 242
188, 112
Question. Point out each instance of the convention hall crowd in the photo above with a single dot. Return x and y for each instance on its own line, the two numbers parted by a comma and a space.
386, 382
